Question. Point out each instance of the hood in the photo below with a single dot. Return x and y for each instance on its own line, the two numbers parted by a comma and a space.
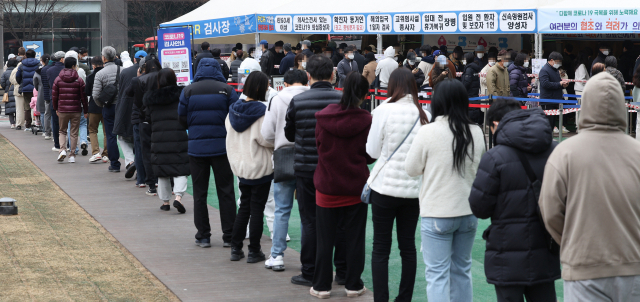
473, 66
39, 70
126, 59
250, 64
30, 62
243, 114
343, 123
68, 75
429, 59
163, 96
514, 66
527, 130
603, 106
209, 68
389, 52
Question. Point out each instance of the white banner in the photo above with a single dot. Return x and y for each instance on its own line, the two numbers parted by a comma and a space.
610, 20
469, 42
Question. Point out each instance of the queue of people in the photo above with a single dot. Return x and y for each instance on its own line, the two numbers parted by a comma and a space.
313, 143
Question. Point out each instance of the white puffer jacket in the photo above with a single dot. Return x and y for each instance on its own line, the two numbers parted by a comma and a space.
391, 123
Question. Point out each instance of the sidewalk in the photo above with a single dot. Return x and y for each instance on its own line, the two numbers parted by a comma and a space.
164, 241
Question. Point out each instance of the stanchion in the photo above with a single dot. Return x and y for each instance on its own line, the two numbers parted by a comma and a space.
373, 100
560, 118
485, 123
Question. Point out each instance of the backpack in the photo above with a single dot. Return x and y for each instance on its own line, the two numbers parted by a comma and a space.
536, 187
109, 92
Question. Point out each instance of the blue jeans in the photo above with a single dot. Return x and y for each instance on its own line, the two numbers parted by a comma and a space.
55, 127
283, 196
109, 115
446, 249
82, 136
137, 152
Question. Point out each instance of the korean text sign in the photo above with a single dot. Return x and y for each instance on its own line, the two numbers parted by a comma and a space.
612, 20
174, 48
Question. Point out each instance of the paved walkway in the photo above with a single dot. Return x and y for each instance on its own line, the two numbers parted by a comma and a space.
164, 241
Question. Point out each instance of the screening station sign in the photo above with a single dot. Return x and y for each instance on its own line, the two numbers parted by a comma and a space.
37, 46
174, 47
614, 20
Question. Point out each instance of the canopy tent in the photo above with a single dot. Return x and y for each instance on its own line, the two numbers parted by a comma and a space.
591, 17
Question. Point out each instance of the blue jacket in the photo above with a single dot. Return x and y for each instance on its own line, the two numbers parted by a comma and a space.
550, 87
46, 88
52, 73
287, 62
205, 105
25, 73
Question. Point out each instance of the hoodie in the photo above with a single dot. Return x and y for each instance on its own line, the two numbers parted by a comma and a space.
126, 59
274, 119
426, 65
248, 152
68, 93
502, 191
386, 66
589, 198
341, 138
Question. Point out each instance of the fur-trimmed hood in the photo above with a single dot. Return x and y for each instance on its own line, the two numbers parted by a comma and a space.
163, 96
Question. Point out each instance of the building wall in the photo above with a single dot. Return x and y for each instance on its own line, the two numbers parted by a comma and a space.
114, 24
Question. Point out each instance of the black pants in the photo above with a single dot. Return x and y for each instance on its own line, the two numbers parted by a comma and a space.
253, 198
353, 220
145, 143
55, 127
405, 213
12, 118
306, 195
224, 188
545, 292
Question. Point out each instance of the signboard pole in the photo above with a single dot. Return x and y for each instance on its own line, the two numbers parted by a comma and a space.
379, 36
257, 40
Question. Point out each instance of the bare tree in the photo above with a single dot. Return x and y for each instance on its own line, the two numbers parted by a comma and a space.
26, 19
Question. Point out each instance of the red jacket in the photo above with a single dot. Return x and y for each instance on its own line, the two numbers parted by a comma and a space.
341, 137
68, 93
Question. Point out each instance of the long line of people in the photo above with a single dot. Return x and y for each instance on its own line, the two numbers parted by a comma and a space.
314, 143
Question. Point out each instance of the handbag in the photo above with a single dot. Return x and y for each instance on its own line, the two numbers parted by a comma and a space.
109, 93
366, 191
283, 164
5, 98
536, 187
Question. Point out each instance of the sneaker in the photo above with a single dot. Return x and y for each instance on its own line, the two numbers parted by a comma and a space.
276, 264
300, 280
72, 159
255, 257
105, 159
555, 130
62, 155
355, 293
47, 137
152, 192
179, 207
141, 185
226, 244
13, 126
131, 169
165, 207
206, 242
27, 129
340, 280
95, 158
18, 127
83, 146
236, 254
321, 295
564, 130
115, 170
54, 149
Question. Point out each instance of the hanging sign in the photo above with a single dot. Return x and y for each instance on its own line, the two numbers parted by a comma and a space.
174, 47
611, 20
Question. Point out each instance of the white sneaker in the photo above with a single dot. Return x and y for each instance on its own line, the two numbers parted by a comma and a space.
355, 293
321, 295
247, 230
564, 130
47, 137
555, 130
62, 155
54, 149
27, 129
105, 159
276, 264
13, 126
96, 157
72, 159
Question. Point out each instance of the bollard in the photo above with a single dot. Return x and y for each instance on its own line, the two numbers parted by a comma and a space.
8, 206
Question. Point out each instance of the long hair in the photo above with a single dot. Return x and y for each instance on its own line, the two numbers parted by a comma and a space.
151, 65
451, 100
636, 77
355, 89
582, 58
401, 83
167, 77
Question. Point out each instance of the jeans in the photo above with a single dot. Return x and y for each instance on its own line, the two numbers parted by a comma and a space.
82, 134
446, 249
387, 210
283, 195
543, 292
55, 127
47, 119
137, 146
109, 115
253, 200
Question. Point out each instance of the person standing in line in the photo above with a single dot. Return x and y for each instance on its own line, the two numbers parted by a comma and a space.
386, 66
426, 64
603, 51
105, 77
20, 119
358, 58
250, 159
370, 66
446, 152
300, 128
498, 76
503, 192
636, 95
342, 171
95, 117
141, 173
394, 194
122, 126
235, 65
223, 65
440, 71
611, 65
295, 82
518, 80
491, 60
169, 140
589, 200
289, 59
346, 65
551, 85
203, 108
24, 77
206, 53
306, 48
52, 74
38, 85
10, 106
300, 62
410, 64
83, 121
69, 102
581, 72
46, 95
471, 76
83, 53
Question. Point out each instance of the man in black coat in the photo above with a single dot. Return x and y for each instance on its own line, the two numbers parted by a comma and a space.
551, 84
204, 54
223, 65
518, 260
271, 57
122, 126
359, 59
604, 51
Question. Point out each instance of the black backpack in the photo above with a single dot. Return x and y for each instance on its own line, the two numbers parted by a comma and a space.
109, 93
536, 187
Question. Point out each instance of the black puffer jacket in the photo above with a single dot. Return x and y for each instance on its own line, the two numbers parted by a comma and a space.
122, 124
169, 140
9, 107
518, 81
301, 124
93, 107
471, 79
145, 83
517, 251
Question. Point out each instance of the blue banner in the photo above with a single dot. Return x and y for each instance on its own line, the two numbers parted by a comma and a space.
223, 27
174, 49
37, 46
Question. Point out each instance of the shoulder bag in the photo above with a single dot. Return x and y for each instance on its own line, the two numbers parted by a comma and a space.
109, 93
366, 191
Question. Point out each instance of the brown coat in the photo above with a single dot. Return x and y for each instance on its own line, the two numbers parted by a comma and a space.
498, 81
369, 71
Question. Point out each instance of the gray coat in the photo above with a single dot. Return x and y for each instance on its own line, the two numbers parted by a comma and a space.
344, 68
104, 77
37, 83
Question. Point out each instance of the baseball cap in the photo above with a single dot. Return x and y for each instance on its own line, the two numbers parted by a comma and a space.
141, 53
263, 42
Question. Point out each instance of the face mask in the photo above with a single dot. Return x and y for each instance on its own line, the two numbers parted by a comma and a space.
396, 59
480, 55
424, 54
464, 62
328, 55
605, 52
350, 56
526, 64
411, 62
506, 64
491, 63
280, 51
556, 66
304, 65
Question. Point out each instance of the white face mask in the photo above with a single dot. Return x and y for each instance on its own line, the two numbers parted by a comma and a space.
526, 64
464, 62
279, 50
350, 56
491, 63
412, 62
304, 65
395, 58
556, 66
480, 55
507, 63
605, 52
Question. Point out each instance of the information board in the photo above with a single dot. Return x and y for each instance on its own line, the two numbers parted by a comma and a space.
609, 20
37, 46
174, 47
